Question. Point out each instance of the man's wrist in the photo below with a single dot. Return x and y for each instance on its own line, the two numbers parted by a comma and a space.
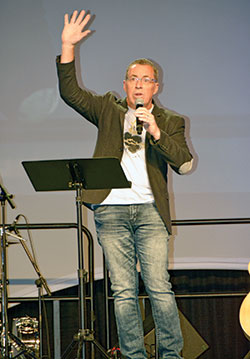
68, 46
157, 135
68, 52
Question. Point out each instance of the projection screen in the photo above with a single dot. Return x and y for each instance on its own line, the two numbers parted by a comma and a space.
202, 51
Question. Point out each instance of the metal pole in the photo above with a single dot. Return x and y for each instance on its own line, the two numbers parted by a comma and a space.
39, 286
81, 271
4, 293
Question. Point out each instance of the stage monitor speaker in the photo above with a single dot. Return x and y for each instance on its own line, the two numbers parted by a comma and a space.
194, 344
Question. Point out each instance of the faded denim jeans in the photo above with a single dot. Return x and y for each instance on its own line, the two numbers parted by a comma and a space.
127, 233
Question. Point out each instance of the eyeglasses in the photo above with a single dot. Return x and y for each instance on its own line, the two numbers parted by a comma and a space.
145, 80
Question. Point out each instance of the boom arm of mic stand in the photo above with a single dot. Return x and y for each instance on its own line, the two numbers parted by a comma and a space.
35, 266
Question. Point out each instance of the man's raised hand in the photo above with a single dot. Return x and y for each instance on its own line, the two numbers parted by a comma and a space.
73, 32
73, 29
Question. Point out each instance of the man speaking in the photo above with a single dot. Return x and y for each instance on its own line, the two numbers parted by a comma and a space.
132, 224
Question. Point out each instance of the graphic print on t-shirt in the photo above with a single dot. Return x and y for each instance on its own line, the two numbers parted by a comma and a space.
132, 142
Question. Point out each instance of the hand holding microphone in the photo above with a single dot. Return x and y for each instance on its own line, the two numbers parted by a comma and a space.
144, 118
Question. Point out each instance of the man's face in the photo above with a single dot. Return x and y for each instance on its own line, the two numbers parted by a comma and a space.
140, 89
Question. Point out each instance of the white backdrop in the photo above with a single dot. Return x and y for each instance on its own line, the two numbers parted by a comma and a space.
202, 48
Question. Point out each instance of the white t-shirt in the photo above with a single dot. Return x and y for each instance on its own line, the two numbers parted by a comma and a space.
134, 166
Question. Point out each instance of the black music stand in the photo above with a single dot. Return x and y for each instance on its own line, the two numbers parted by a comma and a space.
78, 174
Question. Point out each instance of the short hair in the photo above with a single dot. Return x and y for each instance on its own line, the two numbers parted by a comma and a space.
143, 62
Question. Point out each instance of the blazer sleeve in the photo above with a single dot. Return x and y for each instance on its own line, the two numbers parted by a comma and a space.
172, 144
84, 102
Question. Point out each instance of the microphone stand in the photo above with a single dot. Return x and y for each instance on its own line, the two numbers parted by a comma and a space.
40, 282
4, 196
5, 334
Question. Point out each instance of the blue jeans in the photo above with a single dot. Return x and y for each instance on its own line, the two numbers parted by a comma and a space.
127, 233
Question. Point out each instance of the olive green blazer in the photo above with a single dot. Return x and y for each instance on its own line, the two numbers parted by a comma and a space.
107, 114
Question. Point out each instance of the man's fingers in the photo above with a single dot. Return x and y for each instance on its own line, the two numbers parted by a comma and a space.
87, 18
80, 20
142, 111
74, 27
66, 19
74, 16
80, 17
85, 33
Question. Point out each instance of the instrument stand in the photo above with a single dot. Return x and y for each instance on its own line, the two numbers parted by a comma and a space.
5, 334
40, 283
85, 335
78, 174
4, 196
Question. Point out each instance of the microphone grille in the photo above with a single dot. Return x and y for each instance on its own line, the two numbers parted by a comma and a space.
139, 102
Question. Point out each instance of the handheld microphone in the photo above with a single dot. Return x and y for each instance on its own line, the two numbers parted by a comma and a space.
139, 124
